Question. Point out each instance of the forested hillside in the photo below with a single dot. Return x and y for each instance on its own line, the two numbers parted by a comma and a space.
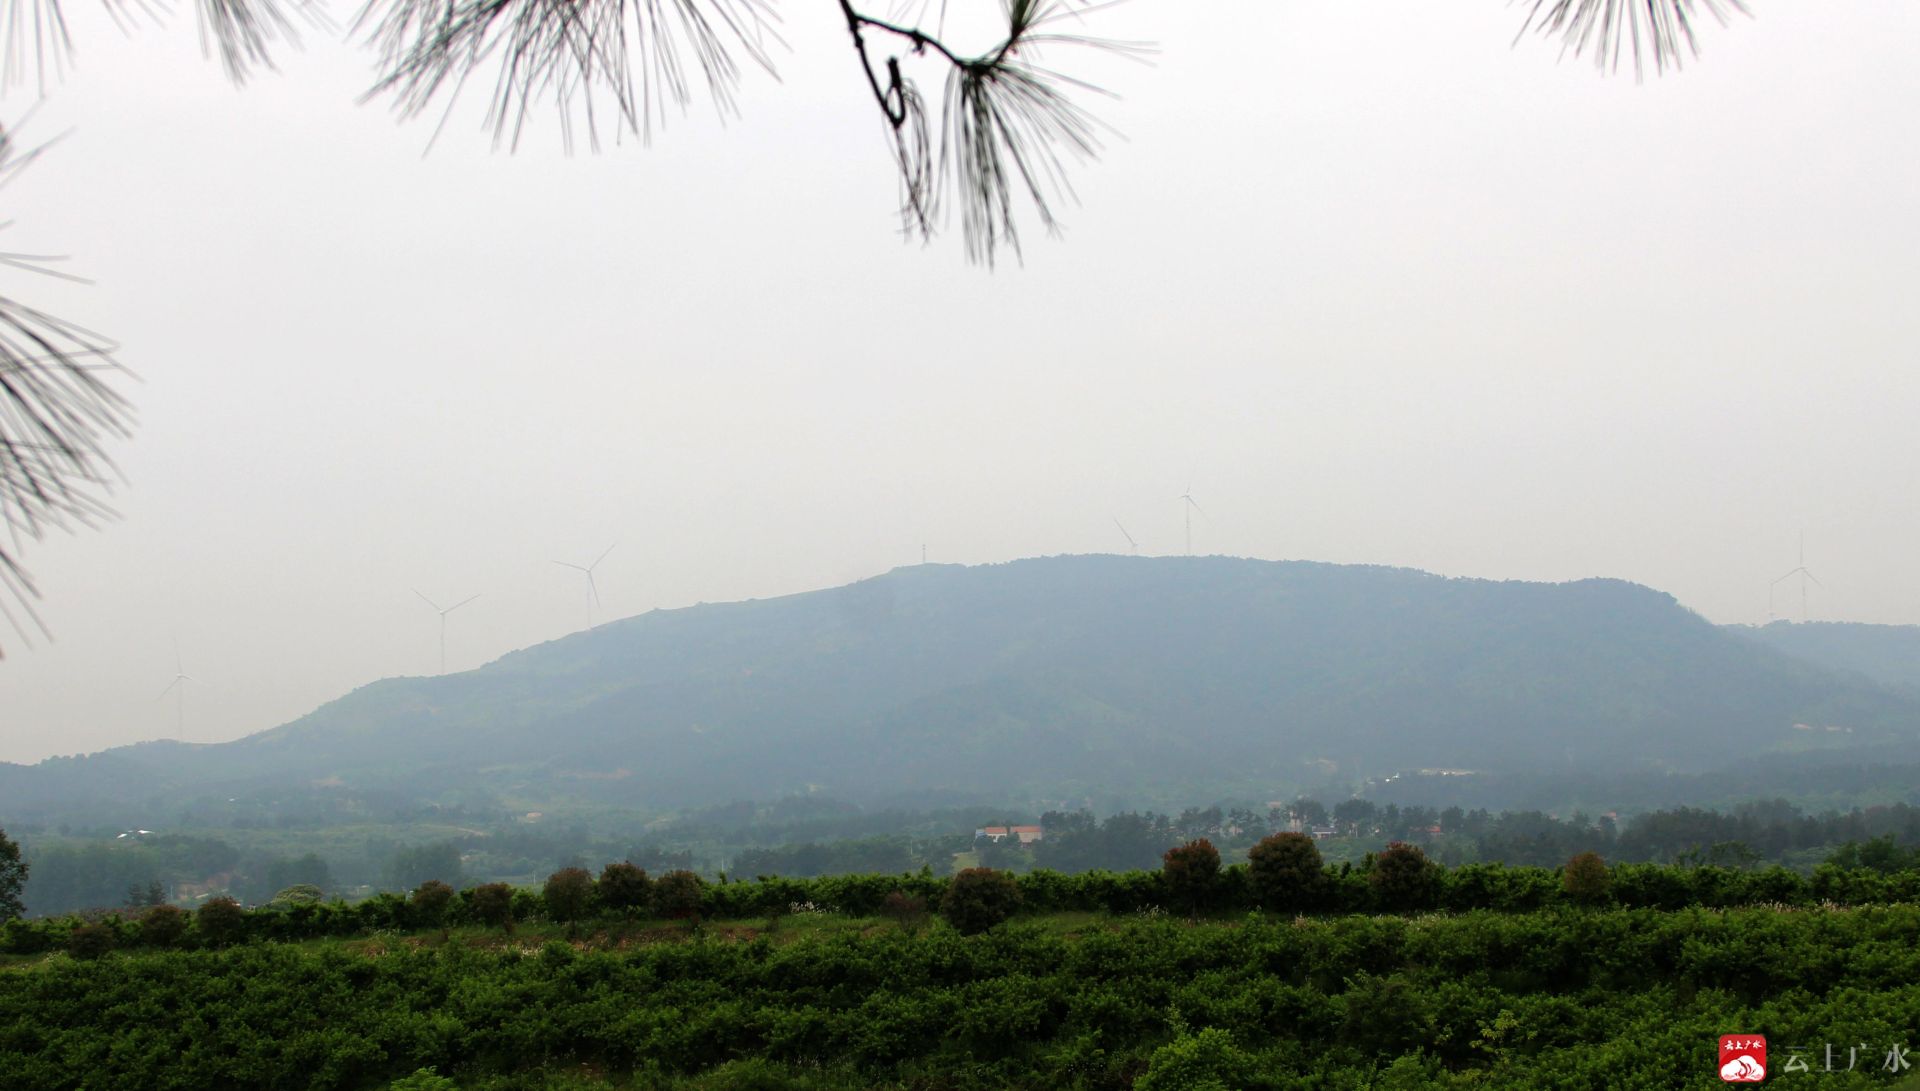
1054, 679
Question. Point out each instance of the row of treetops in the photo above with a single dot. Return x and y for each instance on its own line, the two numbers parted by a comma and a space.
1284, 874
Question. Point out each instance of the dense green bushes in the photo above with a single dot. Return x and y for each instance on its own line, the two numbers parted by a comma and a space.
1284, 875
979, 898
1191, 873
1559, 998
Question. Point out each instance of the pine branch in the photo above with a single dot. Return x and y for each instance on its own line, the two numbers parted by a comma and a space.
243, 33
57, 413
1008, 126
1663, 29
579, 53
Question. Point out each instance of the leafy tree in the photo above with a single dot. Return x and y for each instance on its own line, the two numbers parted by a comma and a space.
163, 926
1585, 878
1286, 872
1880, 854
492, 904
678, 895
1355, 815
1402, 877
569, 893
13, 876
90, 941
222, 921
625, 886
1192, 874
1207, 1061
1310, 812
429, 901
978, 898
1385, 1015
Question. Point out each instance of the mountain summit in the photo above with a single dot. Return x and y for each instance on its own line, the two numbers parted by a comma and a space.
1057, 678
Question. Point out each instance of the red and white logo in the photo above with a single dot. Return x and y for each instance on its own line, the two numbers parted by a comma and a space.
1743, 1058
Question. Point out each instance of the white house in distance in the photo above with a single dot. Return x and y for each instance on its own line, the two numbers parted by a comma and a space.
1025, 835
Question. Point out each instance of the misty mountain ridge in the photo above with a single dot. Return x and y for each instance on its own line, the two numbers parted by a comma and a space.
1062, 678
1888, 654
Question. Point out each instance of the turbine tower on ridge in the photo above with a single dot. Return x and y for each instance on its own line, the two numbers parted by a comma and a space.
443, 622
1190, 507
178, 688
1805, 575
593, 589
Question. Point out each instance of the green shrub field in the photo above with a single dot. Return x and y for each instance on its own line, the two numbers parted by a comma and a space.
1506, 982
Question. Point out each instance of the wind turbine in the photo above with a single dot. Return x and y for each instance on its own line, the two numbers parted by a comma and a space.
1191, 506
1804, 575
179, 692
592, 588
1133, 545
443, 622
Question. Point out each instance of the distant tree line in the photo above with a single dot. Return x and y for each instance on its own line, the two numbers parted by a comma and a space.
1284, 873
67, 877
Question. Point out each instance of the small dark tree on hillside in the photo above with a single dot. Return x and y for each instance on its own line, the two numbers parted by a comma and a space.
678, 895
13, 876
625, 887
979, 898
1403, 878
429, 902
1286, 872
91, 941
569, 894
492, 905
163, 926
1192, 873
222, 921
1585, 879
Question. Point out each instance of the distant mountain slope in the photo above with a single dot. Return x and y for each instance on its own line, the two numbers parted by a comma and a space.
1888, 654
1057, 678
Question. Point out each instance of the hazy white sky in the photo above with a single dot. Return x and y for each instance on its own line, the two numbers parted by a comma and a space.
1381, 287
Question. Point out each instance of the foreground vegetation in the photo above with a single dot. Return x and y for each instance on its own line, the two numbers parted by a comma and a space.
1554, 998
1284, 972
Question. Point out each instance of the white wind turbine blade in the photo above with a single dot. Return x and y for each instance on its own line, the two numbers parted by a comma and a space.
170, 685
459, 604
575, 567
430, 602
601, 557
